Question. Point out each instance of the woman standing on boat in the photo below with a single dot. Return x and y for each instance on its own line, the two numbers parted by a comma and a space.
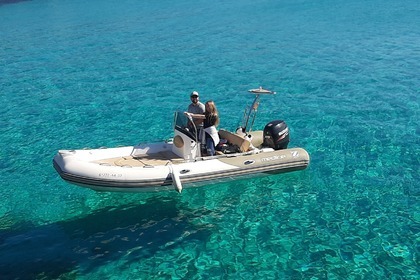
211, 120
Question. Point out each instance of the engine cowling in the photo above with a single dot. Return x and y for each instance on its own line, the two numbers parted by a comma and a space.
276, 135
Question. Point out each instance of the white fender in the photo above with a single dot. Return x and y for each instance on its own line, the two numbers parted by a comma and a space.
176, 181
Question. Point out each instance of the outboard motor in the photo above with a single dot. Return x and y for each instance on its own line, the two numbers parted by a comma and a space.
276, 135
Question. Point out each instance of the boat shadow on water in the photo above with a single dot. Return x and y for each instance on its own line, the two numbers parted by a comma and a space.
5, 2
79, 246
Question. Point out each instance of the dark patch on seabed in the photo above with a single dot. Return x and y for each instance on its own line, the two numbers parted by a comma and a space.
4, 2
80, 245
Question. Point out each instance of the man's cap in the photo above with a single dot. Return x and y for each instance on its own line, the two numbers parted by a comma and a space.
194, 93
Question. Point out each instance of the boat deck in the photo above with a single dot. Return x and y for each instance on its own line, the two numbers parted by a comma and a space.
161, 158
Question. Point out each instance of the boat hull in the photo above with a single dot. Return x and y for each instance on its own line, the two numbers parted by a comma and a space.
91, 168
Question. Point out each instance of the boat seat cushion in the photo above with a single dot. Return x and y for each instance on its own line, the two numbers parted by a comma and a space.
257, 138
235, 139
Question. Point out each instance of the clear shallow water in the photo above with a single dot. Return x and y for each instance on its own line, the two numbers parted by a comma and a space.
76, 74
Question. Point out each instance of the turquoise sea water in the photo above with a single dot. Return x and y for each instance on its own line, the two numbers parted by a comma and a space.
77, 74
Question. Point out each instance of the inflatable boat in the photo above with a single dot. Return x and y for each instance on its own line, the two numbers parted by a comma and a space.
181, 161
